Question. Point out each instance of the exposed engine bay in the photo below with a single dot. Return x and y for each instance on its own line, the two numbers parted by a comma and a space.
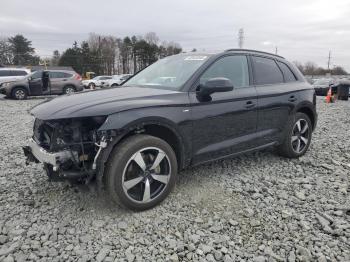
69, 148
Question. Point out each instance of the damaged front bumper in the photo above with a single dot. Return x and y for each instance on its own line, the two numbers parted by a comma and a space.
35, 153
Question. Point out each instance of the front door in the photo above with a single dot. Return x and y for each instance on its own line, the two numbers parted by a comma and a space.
36, 84
226, 124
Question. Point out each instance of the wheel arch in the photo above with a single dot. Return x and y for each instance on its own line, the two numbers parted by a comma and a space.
155, 126
162, 130
19, 86
69, 85
310, 112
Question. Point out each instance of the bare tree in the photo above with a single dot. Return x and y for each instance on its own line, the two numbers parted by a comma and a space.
106, 50
6, 56
299, 65
310, 68
151, 38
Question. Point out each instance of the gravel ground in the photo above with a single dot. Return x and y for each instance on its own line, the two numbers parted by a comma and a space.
257, 207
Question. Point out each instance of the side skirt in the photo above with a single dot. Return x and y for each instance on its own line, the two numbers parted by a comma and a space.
238, 153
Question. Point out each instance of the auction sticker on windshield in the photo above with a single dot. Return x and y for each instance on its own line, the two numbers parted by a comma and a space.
199, 58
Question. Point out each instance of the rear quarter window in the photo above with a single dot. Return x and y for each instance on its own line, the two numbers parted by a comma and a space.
266, 71
288, 74
5, 73
18, 73
60, 75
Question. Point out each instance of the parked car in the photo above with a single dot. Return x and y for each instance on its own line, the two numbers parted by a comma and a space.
53, 82
96, 81
322, 85
116, 80
11, 74
134, 139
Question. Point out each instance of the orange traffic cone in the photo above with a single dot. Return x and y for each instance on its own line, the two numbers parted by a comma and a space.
329, 98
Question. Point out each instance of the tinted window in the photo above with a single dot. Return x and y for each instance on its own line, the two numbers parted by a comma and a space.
37, 74
105, 77
288, 74
234, 68
66, 75
18, 73
59, 75
266, 71
5, 73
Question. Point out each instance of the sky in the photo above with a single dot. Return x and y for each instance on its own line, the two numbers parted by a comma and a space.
301, 30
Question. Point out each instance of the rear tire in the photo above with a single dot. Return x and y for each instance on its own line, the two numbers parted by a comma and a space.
69, 90
297, 137
141, 172
19, 93
114, 85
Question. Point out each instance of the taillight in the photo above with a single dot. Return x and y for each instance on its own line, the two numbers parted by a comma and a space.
78, 77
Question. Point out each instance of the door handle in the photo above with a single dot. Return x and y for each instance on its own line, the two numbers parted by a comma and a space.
249, 104
292, 99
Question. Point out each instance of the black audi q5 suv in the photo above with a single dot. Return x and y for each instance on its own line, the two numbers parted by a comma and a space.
181, 111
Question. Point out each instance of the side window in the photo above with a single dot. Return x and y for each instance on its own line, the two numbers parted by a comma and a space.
234, 68
18, 73
288, 74
266, 71
59, 75
105, 78
5, 73
53, 75
66, 75
37, 74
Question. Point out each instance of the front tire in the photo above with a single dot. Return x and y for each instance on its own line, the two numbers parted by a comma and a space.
298, 137
19, 93
141, 172
92, 86
114, 85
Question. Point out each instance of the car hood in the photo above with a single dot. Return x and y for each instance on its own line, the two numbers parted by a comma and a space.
102, 102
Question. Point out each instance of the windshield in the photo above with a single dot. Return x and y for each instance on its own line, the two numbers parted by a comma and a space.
322, 82
168, 73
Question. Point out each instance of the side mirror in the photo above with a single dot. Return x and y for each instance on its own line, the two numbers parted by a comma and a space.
217, 84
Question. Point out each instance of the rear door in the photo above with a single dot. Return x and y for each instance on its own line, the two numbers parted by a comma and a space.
276, 97
227, 123
55, 82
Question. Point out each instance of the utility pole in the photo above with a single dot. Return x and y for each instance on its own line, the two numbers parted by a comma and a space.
329, 60
276, 50
240, 38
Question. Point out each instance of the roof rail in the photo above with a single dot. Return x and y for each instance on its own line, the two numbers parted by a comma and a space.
250, 50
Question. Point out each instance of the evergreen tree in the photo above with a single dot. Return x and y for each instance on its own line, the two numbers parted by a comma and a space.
22, 50
55, 58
